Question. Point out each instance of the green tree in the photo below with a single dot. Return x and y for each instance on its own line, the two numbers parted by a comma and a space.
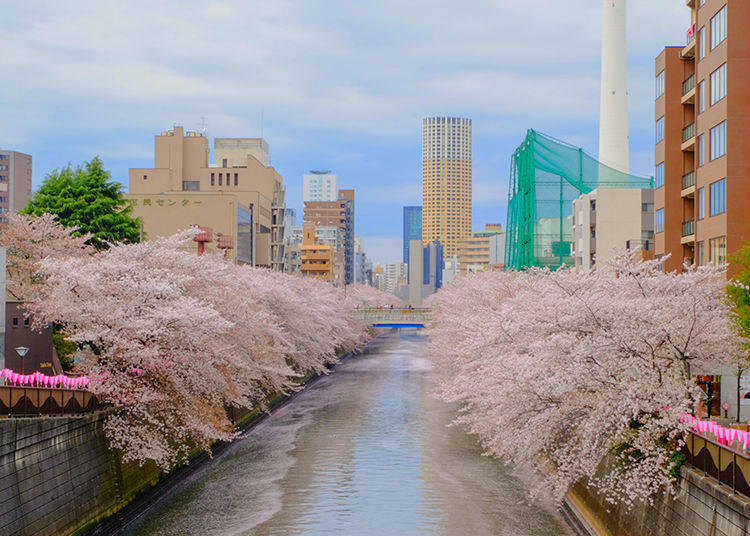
87, 197
738, 291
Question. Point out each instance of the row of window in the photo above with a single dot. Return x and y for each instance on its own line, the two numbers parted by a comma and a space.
718, 146
221, 178
717, 249
717, 204
3, 156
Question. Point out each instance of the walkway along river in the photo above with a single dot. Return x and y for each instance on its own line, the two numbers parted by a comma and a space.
364, 451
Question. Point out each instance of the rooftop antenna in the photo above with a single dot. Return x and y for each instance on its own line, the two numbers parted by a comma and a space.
203, 126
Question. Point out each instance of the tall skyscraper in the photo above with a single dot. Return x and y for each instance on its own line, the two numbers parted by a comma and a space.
446, 181
702, 126
613, 111
320, 186
412, 227
15, 182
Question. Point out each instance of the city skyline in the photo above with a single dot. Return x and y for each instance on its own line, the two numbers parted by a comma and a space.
369, 133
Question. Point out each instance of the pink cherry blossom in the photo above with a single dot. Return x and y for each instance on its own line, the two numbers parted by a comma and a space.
563, 368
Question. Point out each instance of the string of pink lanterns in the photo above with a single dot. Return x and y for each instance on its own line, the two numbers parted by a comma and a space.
39, 379
724, 436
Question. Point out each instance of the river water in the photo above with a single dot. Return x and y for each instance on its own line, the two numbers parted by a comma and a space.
363, 451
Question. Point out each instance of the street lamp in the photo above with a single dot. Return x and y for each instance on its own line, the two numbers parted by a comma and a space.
21, 351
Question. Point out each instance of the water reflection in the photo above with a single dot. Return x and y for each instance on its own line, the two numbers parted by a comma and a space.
365, 451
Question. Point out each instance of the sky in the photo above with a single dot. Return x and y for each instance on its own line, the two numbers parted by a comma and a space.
336, 84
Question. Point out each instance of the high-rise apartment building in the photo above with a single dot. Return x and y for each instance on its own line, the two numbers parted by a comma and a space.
446, 181
15, 182
237, 196
412, 227
338, 213
320, 186
702, 118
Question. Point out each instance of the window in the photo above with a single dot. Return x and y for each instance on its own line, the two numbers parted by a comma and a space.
191, 185
719, 140
699, 254
3, 156
659, 176
212, 179
717, 250
701, 203
3, 178
718, 197
702, 96
659, 221
15, 321
719, 27
659, 129
647, 207
718, 84
702, 43
660, 84
26, 322
220, 176
701, 150
235, 179
4, 168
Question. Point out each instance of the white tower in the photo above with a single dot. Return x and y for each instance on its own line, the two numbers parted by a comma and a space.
613, 109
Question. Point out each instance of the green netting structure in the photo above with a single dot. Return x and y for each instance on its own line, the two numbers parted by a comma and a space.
546, 175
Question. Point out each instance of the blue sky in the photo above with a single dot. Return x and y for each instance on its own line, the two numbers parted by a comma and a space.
341, 85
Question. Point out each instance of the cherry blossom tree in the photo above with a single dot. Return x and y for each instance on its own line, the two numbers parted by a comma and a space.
28, 240
364, 296
170, 339
569, 367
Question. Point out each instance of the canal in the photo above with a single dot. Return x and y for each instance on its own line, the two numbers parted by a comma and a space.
364, 451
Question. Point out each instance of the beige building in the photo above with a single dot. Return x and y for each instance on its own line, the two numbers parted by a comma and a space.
15, 182
481, 250
609, 220
239, 191
446, 181
317, 259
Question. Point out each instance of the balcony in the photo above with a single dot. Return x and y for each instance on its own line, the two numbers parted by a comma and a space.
688, 91
688, 232
688, 184
688, 138
689, 50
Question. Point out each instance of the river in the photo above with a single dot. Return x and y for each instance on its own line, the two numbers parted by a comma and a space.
363, 451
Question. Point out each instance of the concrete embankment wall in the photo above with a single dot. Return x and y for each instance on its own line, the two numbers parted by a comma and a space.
701, 507
57, 475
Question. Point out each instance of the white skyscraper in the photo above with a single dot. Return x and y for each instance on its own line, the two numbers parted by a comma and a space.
613, 110
320, 186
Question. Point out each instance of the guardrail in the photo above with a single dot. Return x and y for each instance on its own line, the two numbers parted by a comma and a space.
688, 84
688, 228
728, 466
35, 401
395, 317
688, 179
688, 132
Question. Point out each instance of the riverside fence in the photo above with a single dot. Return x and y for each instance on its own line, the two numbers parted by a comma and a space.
34, 401
728, 466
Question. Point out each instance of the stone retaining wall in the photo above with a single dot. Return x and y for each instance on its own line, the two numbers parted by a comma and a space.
57, 475
701, 507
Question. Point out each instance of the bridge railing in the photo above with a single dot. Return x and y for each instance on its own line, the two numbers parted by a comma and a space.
730, 467
33, 401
